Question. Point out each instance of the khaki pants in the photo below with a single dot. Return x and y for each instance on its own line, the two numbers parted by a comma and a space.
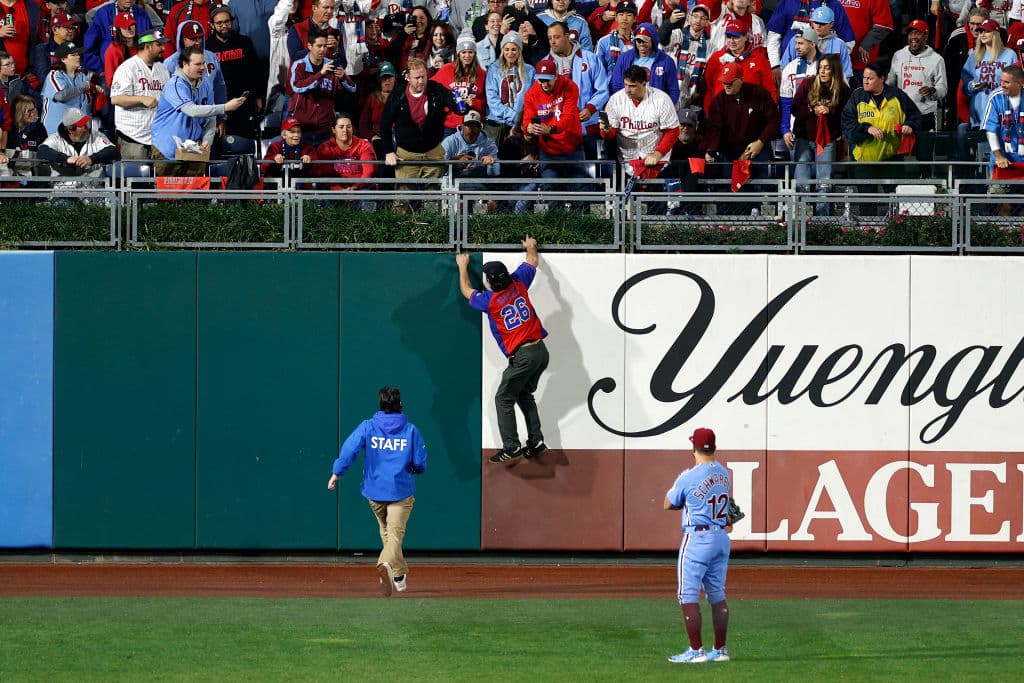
166, 167
407, 168
133, 151
392, 518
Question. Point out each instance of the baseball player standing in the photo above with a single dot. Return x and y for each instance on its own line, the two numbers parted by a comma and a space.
520, 336
394, 453
702, 493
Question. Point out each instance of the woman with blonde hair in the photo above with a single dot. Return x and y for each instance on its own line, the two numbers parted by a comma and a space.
817, 127
508, 79
980, 75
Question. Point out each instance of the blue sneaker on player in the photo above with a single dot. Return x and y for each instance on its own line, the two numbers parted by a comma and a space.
691, 656
719, 655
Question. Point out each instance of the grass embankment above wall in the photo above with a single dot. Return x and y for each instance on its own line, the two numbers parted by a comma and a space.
181, 222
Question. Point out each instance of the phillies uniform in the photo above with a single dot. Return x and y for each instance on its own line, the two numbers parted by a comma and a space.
643, 127
135, 79
703, 494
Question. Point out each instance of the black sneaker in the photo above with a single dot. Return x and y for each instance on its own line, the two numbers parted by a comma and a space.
504, 456
534, 450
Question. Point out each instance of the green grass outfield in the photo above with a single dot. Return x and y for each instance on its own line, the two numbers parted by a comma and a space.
254, 640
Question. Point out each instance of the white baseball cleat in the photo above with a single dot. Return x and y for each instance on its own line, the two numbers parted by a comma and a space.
400, 583
719, 655
691, 656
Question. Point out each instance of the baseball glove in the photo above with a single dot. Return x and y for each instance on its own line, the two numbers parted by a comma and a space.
734, 513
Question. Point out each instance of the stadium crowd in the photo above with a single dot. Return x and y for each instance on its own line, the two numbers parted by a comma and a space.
663, 87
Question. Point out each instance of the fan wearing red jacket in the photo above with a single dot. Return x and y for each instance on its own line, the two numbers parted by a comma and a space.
871, 21
341, 156
466, 80
753, 62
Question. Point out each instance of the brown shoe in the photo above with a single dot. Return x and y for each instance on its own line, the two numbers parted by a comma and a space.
384, 573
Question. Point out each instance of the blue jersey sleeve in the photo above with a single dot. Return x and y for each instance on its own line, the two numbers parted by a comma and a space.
525, 274
481, 301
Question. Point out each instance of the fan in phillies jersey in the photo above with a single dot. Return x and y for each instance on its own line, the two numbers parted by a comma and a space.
520, 336
642, 120
702, 493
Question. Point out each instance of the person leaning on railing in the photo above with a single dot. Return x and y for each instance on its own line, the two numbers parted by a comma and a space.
342, 155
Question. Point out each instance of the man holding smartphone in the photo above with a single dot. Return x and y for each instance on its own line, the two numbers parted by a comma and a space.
316, 83
237, 55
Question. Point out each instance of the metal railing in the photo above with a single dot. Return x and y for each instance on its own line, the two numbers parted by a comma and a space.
951, 207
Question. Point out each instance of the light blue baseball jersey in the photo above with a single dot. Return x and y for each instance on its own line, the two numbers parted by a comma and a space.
703, 493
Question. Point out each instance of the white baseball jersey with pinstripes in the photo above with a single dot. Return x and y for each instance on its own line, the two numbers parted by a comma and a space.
134, 78
640, 124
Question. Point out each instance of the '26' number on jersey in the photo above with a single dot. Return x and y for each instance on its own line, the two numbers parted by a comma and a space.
515, 314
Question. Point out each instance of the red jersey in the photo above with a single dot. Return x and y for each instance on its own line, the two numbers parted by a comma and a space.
512, 317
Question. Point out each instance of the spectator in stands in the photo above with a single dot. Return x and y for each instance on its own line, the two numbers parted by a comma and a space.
252, 19
369, 119
817, 127
645, 54
643, 122
25, 136
135, 92
101, 31
476, 153
1004, 128
875, 120
980, 75
289, 151
191, 34
611, 46
742, 121
466, 80
508, 79
960, 46
564, 12
689, 145
121, 47
828, 42
872, 22
690, 46
743, 12
18, 21
285, 16
481, 24
376, 54
48, 11
586, 73
74, 149
316, 82
412, 126
789, 14
186, 110
343, 154
66, 87
551, 117
442, 47
488, 49
535, 41
753, 64
320, 14
190, 10
804, 66
44, 56
413, 40
11, 86
236, 55
918, 70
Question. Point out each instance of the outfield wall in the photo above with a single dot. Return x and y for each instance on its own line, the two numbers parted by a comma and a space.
186, 401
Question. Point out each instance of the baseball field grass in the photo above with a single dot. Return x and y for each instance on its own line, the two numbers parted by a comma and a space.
253, 640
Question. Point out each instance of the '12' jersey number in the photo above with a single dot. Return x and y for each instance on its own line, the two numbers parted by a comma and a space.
515, 314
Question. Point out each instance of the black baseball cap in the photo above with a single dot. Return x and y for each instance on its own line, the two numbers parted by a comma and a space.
497, 275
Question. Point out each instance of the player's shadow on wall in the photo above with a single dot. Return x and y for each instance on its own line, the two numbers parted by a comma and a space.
564, 387
439, 311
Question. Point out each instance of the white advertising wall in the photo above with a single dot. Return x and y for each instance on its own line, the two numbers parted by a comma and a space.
861, 402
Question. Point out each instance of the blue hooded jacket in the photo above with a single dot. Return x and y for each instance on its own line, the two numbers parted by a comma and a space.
662, 70
394, 452
213, 72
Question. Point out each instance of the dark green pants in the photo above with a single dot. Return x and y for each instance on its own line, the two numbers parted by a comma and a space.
518, 383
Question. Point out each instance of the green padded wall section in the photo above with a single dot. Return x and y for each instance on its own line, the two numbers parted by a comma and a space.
124, 400
404, 322
267, 420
